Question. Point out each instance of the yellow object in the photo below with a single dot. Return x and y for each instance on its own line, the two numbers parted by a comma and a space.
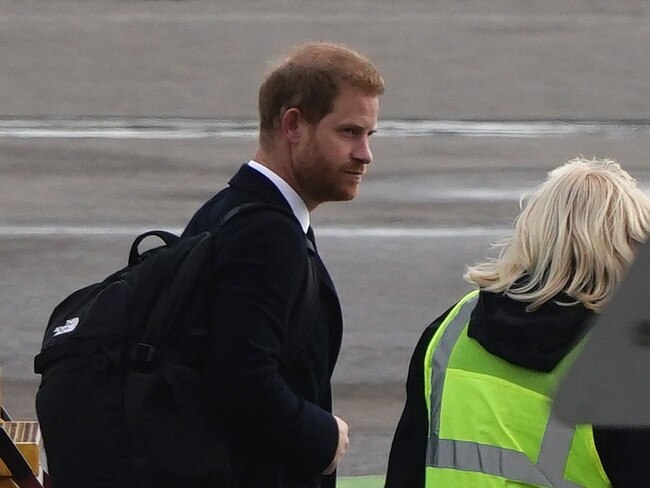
27, 437
490, 422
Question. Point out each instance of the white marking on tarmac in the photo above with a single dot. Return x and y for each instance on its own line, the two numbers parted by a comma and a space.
251, 16
43, 231
171, 128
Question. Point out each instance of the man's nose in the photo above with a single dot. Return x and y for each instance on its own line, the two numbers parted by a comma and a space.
362, 151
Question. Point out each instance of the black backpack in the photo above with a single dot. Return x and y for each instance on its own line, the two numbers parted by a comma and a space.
149, 320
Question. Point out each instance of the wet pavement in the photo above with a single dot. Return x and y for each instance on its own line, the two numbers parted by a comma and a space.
430, 204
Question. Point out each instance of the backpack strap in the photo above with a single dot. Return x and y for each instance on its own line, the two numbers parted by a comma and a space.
188, 274
251, 207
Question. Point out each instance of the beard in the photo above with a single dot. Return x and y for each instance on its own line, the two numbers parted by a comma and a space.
323, 179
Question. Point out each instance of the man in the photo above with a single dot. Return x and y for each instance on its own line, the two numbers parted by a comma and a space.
272, 348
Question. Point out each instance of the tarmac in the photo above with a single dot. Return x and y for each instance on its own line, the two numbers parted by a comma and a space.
73, 199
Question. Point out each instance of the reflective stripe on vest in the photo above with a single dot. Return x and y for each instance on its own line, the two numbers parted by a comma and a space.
483, 458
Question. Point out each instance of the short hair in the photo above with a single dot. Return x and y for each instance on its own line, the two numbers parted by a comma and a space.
310, 79
577, 234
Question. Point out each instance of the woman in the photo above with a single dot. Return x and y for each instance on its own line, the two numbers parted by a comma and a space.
483, 375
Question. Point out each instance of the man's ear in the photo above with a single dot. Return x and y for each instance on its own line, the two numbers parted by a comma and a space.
292, 125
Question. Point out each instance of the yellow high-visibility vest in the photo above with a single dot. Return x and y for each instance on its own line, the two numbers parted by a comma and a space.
490, 422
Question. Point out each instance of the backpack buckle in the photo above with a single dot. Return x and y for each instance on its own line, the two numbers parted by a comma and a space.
142, 353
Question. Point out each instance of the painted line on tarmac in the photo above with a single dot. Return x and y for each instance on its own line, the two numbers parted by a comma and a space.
511, 20
156, 128
44, 231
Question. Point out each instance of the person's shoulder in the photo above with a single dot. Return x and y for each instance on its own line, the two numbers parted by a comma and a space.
266, 231
205, 217
433, 327
271, 218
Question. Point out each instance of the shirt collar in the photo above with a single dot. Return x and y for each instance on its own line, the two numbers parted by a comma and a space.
298, 206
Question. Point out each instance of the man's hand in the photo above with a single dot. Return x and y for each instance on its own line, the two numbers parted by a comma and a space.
344, 442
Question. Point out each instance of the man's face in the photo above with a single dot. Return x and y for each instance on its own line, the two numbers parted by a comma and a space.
330, 160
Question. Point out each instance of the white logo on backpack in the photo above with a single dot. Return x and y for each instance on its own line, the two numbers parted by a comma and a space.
70, 325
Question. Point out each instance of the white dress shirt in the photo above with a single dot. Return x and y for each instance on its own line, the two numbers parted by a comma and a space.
298, 206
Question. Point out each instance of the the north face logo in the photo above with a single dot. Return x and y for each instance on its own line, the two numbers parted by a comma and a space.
69, 326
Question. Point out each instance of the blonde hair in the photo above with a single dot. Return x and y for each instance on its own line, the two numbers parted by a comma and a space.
576, 234
310, 79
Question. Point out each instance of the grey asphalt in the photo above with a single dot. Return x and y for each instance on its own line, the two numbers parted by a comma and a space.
429, 206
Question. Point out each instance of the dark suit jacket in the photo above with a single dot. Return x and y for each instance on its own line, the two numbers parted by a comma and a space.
278, 413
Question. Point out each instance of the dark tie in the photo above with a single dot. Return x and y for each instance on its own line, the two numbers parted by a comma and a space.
322, 271
311, 239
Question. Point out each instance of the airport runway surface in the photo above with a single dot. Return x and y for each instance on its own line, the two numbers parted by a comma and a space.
122, 116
